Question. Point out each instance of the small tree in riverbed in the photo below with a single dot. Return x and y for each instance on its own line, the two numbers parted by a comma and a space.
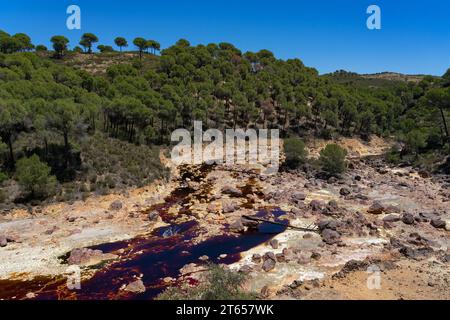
332, 159
220, 284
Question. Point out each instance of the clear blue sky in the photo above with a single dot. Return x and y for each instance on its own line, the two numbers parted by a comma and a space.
325, 34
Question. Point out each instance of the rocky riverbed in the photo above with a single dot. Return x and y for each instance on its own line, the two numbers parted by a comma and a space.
375, 220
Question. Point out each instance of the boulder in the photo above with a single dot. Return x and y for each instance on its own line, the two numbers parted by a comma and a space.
333, 205
376, 208
228, 207
269, 256
408, 218
116, 205
298, 196
280, 257
303, 259
153, 216
274, 243
135, 287
316, 255
330, 236
232, 191
256, 258
344, 191
328, 224
391, 218
315, 205
416, 254
3, 241
87, 257
237, 226
268, 265
246, 269
438, 223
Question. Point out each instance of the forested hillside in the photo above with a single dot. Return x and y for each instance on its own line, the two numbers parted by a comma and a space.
95, 119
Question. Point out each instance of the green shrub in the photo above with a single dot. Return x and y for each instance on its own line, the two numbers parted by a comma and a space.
295, 151
332, 159
3, 177
34, 176
415, 140
393, 155
220, 284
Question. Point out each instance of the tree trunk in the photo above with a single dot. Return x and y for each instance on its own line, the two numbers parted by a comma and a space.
11, 152
445, 124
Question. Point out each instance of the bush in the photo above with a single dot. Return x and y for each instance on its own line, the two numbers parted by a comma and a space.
415, 140
332, 159
3, 177
34, 176
295, 152
220, 284
393, 155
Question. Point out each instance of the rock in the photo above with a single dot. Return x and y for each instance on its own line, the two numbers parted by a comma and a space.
316, 255
280, 257
153, 216
376, 208
3, 241
51, 230
268, 265
256, 258
265, 292
232, 191
71, 219
274, 243
350, 266
333, 205
391, 218
332, 180
135, 287
296, 211
251, 224
237, 226
315, 205
116, 205
295, 284
438, 223
408, 218
86, 257
344, 191
330, 236
391, 209
228, 207
447, 225
212, 208
30, 295
246, 269
416, 254
304, 259
204, 258
328, 224
269, 256
358, 178
168, 279
298, 196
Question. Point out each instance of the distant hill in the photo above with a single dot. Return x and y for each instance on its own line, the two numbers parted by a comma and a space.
394, 76
383, 79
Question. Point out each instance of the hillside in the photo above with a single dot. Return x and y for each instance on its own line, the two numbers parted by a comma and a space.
55, 104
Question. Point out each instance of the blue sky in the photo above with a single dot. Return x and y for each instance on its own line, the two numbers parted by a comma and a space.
325, 34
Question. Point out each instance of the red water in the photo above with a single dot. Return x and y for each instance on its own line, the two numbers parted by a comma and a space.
160, 255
